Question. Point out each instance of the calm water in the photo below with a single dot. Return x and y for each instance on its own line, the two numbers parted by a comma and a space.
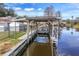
41, 39
40, 47
68, 43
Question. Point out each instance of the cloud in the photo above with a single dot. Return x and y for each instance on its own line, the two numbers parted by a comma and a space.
74, 5
70, 13
7, 7
29, 9
69, 10
39, 9
21, 13
17, 9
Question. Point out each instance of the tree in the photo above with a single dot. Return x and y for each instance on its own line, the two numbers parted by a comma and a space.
2, 10
49, 11
10, 12
2, 5
6, 12
68, 21
58, 14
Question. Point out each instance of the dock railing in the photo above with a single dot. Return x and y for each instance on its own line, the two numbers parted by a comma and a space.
21, 46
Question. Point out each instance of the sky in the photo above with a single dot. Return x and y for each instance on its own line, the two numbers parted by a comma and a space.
36, 9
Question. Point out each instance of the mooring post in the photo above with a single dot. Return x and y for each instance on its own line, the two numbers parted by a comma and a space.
28, 30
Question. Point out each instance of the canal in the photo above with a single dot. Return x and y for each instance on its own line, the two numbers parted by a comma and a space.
40, 47
68, 43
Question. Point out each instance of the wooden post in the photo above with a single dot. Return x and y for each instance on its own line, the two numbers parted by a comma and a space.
49, 27
36, 28
28, 29
59, 28
8, 29
15, 31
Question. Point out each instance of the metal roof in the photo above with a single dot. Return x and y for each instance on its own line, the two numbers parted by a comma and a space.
42, 18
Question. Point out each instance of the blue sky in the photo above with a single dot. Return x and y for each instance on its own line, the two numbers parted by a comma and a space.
36, 9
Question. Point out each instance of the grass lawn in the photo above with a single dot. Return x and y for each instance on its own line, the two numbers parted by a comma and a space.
76, 26
68, 25
13, 38
7, 42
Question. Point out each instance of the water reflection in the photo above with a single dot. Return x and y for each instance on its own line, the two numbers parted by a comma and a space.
68, 43
41, 39
40, 47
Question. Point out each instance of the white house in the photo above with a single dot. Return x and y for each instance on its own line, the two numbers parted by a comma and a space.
4, 21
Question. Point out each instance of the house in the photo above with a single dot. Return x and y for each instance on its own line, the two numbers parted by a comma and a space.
6, 24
